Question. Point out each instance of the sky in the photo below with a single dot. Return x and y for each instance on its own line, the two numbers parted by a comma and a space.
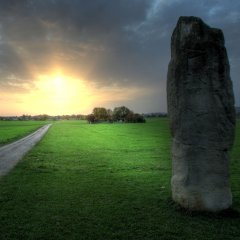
69, 56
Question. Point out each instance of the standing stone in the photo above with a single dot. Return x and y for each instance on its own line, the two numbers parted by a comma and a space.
202, 116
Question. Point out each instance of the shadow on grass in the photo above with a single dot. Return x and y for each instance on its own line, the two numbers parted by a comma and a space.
229, 213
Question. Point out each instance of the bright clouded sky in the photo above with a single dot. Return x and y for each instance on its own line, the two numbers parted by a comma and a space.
68, 56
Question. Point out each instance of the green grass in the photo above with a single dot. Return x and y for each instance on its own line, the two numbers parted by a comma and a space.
105, 181
13, 130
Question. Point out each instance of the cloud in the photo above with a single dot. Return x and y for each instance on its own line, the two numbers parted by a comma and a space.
108, 42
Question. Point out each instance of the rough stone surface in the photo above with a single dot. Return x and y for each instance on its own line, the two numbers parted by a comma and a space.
202, 116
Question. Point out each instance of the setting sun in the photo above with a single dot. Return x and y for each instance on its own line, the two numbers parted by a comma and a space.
59, 82
53, 94
59, 94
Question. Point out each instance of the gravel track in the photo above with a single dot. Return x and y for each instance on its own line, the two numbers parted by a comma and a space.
11, 153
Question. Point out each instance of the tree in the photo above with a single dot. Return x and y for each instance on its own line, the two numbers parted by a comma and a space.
120, 113
100, 113
91, 118
110, 115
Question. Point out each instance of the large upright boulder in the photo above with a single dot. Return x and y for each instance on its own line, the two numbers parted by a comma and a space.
202, 116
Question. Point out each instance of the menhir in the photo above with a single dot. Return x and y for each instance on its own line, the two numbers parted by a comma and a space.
202, 116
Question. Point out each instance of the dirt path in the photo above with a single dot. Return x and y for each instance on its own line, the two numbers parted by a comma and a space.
10, 154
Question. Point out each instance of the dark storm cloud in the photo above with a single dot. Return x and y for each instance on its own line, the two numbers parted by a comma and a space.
111, 41
91, 31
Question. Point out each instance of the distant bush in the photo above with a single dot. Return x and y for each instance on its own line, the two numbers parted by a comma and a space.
134, 118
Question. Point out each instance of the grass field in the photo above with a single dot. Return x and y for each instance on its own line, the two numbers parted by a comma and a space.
103, 182
13, 130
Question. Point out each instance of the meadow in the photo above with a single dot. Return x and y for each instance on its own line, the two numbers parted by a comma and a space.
106, 181
13, 130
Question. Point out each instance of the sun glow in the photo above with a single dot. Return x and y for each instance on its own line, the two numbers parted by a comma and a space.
56, 94
59, 83
59, 93
63, 93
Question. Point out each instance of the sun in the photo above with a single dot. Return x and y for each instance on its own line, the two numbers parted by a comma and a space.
62, 86
58, 81
59, 93
57, 88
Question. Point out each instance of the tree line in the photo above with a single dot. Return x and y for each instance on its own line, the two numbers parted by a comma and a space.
118, 114
43, 117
